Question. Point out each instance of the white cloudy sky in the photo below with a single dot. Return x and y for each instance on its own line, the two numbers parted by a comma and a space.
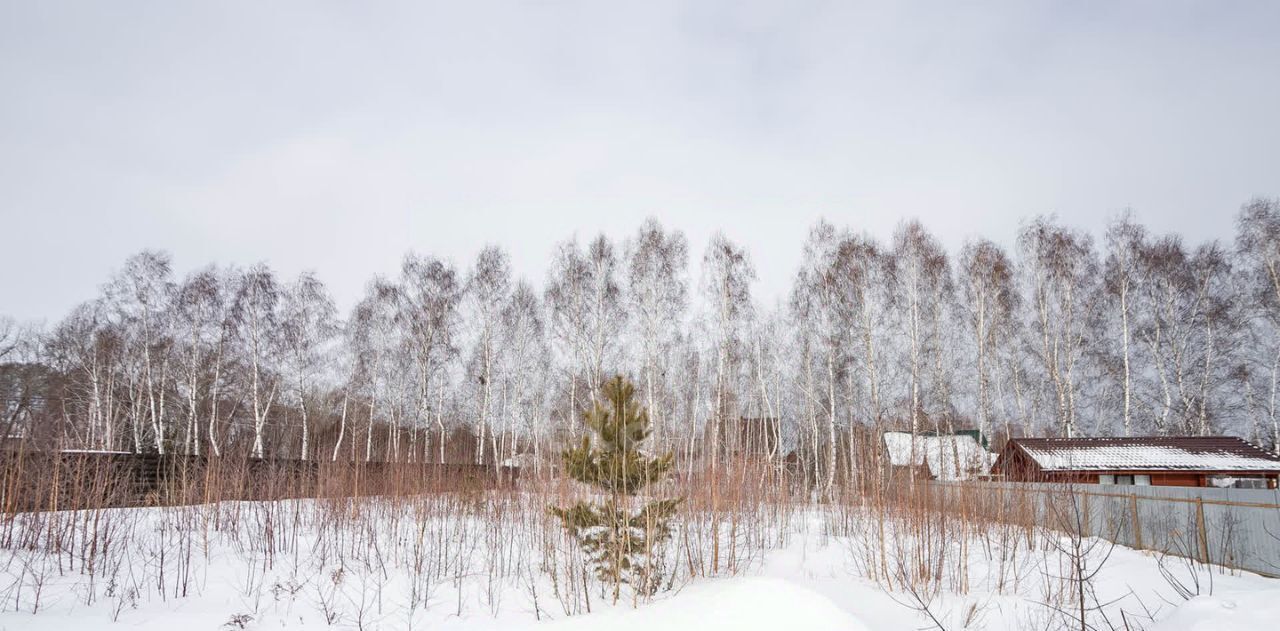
337, 136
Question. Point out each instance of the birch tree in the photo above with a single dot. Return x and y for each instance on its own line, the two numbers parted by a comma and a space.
1258, 245
141, 295
823, 308
430, 296
865, 277
257, 310
727, 275
308, 324
657, 263
525, 367
1125, 242
488, 288
198, 315
1060, 272
923, 279
990, 302
584, 299
371, 339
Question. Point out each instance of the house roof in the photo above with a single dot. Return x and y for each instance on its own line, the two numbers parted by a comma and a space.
1148, 453
939, 454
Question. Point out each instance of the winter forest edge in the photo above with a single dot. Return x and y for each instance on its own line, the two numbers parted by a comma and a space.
1064, 334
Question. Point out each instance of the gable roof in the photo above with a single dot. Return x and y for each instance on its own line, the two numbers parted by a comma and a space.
1148, 453
939, 454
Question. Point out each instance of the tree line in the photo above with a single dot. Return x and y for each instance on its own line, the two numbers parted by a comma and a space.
1062, 334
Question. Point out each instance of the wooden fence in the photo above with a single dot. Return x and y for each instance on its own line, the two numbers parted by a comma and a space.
31, 481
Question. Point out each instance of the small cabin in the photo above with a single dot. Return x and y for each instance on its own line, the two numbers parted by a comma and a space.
946, 457
1210, 461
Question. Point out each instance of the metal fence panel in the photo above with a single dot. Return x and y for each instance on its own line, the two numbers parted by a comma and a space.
1236, 528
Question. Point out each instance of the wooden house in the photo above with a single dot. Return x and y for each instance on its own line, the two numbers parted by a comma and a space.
1221, 461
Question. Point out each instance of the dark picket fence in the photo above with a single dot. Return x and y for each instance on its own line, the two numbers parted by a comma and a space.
35, 480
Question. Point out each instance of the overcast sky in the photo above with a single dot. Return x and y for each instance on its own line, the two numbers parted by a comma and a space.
338, 136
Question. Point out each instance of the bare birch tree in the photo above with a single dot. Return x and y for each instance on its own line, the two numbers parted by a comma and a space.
657, 289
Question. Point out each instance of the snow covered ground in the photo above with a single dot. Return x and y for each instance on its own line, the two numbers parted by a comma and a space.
325, 569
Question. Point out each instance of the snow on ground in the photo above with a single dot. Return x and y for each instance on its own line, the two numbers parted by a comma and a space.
1253, 609
733, 604
815, 580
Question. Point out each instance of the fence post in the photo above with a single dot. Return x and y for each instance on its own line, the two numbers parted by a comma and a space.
1137, 522
1084, 495
1203, 534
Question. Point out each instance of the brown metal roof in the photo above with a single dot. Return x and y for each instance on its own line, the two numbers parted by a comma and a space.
1148, 453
